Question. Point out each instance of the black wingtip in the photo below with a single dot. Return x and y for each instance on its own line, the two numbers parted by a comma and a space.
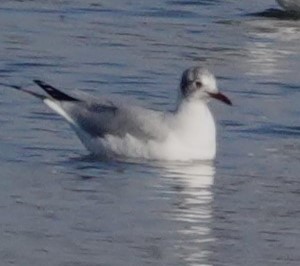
53, 92
40, 83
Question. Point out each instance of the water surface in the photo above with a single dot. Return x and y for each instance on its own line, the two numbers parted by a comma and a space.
60, 206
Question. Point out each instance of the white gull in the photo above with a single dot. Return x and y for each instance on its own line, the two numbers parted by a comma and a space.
108, 128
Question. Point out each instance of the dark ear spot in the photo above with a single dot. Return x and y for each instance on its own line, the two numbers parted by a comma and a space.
199, 84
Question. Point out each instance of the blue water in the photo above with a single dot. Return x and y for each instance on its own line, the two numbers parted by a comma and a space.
60, 206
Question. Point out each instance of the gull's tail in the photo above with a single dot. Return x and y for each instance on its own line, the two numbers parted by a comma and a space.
58, 102
19, 88
54, 100
54, 93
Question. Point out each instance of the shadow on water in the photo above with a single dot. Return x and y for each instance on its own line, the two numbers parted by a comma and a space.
273, 130
276, 14
194, 3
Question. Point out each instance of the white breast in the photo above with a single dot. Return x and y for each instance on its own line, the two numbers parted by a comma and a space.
190, 134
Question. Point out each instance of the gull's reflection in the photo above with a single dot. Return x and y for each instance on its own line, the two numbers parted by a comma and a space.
192, 184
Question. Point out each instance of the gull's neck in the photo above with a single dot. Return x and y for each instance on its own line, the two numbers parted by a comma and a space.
195, 115
192, 106
196, 125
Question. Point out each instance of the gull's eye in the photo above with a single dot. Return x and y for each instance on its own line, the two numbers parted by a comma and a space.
198, 84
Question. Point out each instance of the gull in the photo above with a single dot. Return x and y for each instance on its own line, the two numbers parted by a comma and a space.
290, 5
118, 129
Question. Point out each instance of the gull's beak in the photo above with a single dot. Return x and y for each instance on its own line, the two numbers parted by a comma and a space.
221, 97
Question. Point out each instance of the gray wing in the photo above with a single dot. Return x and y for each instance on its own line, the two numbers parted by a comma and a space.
96, 119
99, 117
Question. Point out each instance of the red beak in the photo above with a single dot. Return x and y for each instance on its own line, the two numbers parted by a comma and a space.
221, 97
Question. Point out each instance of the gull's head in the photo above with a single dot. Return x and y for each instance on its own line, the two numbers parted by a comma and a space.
198, 83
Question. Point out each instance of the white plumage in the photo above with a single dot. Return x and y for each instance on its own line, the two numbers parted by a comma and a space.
108, 128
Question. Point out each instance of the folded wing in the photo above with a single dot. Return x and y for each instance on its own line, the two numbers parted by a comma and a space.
99, 117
